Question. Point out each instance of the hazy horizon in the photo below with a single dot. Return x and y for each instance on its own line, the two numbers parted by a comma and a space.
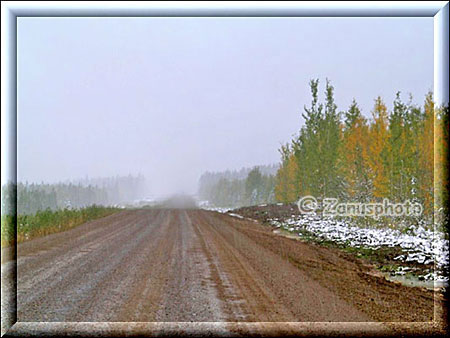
171, 98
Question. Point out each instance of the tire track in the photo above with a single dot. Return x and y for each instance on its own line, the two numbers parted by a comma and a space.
273, 288
62, 285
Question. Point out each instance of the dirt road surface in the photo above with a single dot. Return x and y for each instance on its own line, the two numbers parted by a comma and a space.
176, 265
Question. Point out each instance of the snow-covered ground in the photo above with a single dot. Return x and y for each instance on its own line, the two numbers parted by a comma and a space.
419, 245
207, 206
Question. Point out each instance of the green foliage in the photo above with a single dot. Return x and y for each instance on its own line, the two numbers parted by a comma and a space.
442, 127
316, 150
48, 221
346, 156
33, 197
237, 189
8, 224
254, 186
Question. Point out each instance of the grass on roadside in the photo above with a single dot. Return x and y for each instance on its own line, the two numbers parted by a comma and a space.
47, 222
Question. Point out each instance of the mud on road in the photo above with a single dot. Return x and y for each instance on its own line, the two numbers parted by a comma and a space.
175, 265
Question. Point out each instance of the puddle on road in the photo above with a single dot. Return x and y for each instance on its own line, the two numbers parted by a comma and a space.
409, 280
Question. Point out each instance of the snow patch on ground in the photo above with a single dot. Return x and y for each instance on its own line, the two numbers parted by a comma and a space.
221, 210
207, 206
419, 245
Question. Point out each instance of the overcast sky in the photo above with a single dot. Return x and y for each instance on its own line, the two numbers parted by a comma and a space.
173, 97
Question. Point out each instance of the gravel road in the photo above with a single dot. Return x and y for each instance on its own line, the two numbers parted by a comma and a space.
176, 265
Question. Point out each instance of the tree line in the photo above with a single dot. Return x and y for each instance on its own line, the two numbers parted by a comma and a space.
233, 189
345, 155
34, 197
